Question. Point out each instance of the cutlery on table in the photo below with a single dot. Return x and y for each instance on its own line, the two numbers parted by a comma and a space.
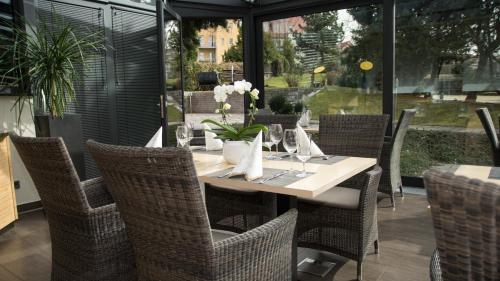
273, 177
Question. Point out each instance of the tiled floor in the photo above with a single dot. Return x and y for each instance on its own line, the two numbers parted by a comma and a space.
406, 238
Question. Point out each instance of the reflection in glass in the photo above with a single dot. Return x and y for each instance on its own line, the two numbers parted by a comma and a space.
447, 66
173, 70
331, 61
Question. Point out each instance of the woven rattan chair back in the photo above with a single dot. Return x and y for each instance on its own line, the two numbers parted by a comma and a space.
465, 214
489, 128
391, 156
49, 165
287, 121
159, 197
352, 135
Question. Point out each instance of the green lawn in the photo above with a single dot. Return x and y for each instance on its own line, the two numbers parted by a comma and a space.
173, 114
333, 100
280, 82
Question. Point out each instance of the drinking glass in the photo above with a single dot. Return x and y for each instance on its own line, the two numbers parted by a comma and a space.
304, 154
268, 144
290, 141
276, 132
183, 135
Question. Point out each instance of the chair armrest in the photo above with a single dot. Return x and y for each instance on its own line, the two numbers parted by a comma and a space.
96, 192
264, 251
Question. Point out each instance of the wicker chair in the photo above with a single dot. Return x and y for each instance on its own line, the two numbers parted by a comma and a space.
352, 135
287, 121
485, 117
465, 213
391, 155
342, 220
240, 211
338, 228
435, 268
89, 241
158, 194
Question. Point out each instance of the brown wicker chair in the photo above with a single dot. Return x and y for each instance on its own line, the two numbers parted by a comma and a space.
158, 194
240, 211
435, 268
352, 135
489, 128
89, 241
338, 228
338, 222
391, 155
466, 217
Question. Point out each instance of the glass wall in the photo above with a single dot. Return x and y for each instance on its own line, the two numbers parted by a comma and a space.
173, 72
330, 61
447, 66
213, 55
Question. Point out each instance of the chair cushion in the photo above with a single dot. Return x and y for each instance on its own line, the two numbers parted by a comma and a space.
340, 197
218, 235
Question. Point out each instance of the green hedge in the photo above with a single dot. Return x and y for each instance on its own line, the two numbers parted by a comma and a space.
426, 148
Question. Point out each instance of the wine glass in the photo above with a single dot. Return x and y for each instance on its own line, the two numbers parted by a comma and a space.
304, 153
268, 143
276, 132
290, 142
183, 135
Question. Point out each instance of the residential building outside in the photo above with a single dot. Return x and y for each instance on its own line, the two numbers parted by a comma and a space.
214, 42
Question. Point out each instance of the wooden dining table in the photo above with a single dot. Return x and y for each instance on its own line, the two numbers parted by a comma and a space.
324, 173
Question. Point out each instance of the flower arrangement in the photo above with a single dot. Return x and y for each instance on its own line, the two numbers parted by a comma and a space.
226, 131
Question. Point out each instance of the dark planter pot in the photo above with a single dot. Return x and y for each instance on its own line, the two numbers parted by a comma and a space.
69, 129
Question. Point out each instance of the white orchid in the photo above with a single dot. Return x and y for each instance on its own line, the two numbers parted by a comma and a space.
229, 89
255, 94
220, 94
242, 86
248, 86
226, 106
239, 87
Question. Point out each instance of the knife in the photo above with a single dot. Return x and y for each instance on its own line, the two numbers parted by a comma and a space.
273, 177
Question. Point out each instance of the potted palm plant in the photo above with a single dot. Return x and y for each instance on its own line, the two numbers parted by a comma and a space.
236, 138
45, 65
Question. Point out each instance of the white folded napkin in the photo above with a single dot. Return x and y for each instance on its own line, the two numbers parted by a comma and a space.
303, 139
211, 143
251, 164
157, 139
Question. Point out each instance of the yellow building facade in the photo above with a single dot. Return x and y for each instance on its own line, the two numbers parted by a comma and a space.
214, 42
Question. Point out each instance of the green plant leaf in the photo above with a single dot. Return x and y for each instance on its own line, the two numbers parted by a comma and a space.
220, 125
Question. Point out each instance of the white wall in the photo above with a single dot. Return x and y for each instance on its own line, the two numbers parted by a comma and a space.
8, 123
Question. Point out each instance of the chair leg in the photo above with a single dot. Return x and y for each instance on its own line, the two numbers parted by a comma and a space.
360, 270
376, 246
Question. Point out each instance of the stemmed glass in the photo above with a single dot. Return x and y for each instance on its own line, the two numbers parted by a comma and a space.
290, 141
304, 154
268, 144
184, 135
276, 132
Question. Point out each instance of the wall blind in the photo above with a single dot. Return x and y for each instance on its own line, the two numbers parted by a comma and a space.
137, 77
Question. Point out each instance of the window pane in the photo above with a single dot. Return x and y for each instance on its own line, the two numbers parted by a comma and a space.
210, 61
331, 61
447, 66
